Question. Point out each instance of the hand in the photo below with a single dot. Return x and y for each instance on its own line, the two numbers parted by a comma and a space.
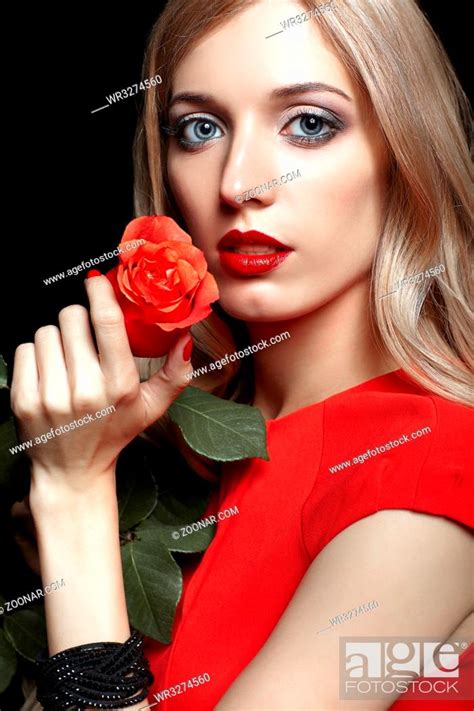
60, 378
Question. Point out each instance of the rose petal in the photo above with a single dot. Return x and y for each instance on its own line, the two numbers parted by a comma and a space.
154, 229
162, 286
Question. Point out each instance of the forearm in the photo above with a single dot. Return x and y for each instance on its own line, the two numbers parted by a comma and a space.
78, 541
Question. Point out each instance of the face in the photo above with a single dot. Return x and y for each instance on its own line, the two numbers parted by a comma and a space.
269, 138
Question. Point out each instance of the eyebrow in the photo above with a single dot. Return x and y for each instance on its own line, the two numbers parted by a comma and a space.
290, 90
293, 89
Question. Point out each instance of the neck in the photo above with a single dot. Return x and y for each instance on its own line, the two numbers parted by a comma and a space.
329, 350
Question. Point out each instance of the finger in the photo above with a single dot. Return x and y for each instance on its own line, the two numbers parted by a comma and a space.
53, 378
25, 395
116, 358
82, 361
164, 386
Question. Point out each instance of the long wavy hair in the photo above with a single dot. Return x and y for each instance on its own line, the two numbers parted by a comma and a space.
397, 61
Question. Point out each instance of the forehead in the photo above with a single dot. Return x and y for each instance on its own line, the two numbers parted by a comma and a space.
239, 57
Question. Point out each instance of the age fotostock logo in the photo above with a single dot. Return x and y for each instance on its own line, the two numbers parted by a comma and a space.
380, 668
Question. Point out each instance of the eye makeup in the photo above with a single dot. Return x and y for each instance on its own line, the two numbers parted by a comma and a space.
314, 126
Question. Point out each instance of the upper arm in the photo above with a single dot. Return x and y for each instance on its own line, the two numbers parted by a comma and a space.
417, 567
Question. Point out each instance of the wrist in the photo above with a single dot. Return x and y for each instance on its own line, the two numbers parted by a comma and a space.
55, 497
76, 532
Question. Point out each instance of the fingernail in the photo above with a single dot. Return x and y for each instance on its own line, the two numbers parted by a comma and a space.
93, 273
188, 349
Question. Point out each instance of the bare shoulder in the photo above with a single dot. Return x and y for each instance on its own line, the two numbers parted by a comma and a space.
393, 573
397, 546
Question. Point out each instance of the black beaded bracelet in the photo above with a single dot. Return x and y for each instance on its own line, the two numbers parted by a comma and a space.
101, 675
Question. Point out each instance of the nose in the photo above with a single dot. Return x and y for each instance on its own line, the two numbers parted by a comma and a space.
249, 168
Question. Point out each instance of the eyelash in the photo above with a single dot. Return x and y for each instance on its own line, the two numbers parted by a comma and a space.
328, 119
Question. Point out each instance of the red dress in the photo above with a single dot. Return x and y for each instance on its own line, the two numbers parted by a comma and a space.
291, 507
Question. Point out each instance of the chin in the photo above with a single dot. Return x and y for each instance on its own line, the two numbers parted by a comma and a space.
259, 310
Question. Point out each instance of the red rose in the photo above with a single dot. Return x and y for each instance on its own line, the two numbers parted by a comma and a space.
162, 285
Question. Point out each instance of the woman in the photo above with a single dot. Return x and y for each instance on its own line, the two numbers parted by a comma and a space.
365, 497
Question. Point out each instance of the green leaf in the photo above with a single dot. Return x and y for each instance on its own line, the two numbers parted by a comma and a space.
153, 585
188, 508
172, 536
26, 631
219, 429
153, 580
137, 496
152, 577
3, 373
7, 662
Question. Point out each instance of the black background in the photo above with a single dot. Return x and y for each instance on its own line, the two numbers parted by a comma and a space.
69, 180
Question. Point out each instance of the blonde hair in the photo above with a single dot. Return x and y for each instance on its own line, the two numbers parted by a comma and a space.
396, 60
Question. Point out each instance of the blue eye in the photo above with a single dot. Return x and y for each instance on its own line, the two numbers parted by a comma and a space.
311, 128
309, 125
193, 131
200, 130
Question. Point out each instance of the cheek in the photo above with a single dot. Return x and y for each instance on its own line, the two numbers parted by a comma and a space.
184, 187
194, 191
347, 209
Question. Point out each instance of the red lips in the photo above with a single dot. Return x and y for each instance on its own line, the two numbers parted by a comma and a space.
250, 264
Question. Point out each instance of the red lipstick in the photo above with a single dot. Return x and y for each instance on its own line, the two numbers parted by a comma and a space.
240, 255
